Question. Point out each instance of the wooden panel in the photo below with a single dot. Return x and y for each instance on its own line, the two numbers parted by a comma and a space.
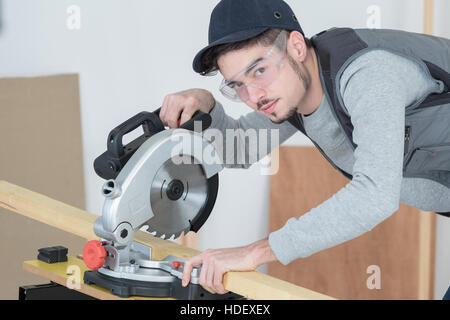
253, 285
428, 16
189, 240
40, 128
402, 246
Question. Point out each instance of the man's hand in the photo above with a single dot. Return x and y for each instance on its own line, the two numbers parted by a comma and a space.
216, 262
182, 105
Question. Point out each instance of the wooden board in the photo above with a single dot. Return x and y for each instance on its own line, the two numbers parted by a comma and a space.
40, 127
253, 285
402, 246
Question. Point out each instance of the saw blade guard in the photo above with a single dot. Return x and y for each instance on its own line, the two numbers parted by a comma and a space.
169, 153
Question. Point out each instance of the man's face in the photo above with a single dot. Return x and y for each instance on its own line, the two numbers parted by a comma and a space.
278, 100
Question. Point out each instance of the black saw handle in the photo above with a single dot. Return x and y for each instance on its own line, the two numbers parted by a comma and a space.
110, 162
204, 118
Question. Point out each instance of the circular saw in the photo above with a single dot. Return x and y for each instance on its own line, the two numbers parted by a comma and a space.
160, 182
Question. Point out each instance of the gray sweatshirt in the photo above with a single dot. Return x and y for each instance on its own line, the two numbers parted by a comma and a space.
376, 88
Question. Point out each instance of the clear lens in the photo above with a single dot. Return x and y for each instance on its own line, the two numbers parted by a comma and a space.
229, 92
259, 75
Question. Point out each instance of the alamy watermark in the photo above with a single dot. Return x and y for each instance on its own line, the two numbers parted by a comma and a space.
374, 281
374, 19
235, 148
74, 279
73, 21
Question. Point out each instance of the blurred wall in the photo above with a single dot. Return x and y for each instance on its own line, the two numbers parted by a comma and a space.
130, 54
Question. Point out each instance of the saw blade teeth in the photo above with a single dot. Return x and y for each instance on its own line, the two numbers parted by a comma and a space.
157, 234
162, 235
174, 236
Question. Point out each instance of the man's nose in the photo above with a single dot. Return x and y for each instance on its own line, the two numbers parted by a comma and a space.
255, 94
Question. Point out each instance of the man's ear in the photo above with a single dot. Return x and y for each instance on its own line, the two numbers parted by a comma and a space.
296, 46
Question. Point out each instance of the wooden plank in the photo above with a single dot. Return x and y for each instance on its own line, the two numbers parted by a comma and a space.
73, 220
189, 240
46, 210
259, 286
253, 285
70, 274
402, 246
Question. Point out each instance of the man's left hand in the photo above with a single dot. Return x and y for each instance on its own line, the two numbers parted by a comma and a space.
216, 262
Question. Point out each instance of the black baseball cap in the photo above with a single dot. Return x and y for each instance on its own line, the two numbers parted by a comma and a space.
238, 20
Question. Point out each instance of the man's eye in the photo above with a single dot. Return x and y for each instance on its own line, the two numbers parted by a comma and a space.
235, 85
260, 71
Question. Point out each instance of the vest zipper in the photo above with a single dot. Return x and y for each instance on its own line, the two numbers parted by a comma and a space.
407, 137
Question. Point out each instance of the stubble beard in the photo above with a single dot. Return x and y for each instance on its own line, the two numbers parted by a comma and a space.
306, 81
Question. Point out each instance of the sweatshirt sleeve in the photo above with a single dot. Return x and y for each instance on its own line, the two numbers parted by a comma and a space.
376, 88
244, 141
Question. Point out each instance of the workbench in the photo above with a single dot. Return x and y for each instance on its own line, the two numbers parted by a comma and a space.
249, 284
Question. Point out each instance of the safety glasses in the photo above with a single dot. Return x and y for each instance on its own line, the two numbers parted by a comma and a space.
259, 74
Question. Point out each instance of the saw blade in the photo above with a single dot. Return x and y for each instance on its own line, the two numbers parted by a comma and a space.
177, 195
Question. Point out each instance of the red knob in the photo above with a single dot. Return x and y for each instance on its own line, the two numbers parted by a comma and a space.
94, 254
176, 264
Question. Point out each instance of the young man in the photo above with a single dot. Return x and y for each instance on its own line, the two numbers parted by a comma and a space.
374, 102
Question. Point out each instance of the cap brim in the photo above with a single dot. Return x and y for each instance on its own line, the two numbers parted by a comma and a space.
234, 37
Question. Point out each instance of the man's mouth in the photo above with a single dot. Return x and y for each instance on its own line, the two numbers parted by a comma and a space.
270, 107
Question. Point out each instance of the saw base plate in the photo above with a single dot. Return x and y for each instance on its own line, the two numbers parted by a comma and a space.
125, 288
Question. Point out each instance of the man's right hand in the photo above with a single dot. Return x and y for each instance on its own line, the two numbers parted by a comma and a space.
182, 105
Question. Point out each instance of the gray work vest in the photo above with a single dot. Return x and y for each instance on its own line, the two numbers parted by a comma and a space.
427, 122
